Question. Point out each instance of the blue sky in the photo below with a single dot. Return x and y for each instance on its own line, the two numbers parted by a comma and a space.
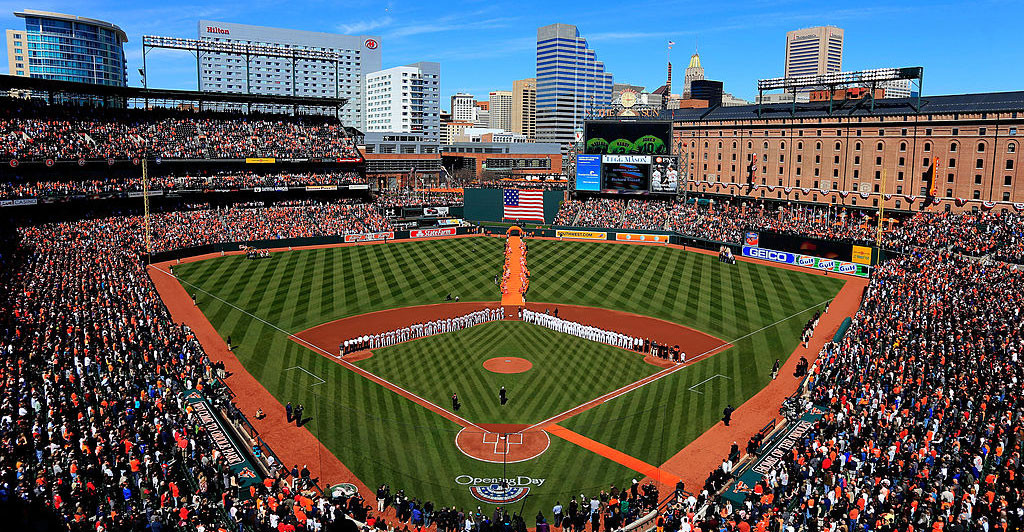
485, 45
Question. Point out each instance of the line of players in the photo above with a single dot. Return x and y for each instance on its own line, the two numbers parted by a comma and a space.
596, 334
419, 330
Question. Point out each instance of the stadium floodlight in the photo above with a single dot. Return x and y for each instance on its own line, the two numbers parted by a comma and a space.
207, 46
840, 78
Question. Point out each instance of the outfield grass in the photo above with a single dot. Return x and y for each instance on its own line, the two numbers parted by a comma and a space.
385, 438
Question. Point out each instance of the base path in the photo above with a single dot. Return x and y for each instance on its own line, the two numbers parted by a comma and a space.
705, 453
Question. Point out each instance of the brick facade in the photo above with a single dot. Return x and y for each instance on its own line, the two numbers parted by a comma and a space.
816, 158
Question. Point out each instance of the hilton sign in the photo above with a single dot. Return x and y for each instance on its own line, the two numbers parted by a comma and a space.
214, 29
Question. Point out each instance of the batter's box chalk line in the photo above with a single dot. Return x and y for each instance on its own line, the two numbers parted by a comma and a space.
304, 370
715, 376
493, 438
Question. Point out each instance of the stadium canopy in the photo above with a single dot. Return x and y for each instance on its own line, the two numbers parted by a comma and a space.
111, 95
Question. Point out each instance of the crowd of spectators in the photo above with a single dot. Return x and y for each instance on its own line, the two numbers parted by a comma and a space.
922, 411
94, 432
419, 198
1000, 233
32, 188
32, 131
240, 223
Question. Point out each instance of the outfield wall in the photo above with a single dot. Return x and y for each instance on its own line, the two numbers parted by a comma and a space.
486, 204
426, 232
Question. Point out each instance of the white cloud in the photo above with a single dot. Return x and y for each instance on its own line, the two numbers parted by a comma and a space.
364, 26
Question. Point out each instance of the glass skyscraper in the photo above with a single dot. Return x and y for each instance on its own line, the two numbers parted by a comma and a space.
67, 48
571, 82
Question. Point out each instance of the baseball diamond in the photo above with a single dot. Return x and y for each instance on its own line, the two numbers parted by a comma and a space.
614, 413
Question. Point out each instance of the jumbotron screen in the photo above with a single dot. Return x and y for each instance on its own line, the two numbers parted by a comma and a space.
626, 177
627, 138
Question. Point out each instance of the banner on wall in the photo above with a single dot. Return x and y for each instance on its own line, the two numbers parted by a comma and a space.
807, 261
584, 235
640, 237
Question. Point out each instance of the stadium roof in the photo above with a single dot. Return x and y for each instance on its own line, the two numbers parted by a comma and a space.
20, 83
956, 103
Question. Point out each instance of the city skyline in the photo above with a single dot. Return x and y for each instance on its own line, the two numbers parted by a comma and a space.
483, 48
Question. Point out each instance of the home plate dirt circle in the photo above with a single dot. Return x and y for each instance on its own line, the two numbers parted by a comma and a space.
507, 365
502, 443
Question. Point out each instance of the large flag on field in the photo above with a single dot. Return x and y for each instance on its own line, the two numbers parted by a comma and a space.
524, 204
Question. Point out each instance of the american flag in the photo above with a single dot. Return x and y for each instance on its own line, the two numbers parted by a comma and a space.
524, 204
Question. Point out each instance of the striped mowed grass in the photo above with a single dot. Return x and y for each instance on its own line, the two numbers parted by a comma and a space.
385, 438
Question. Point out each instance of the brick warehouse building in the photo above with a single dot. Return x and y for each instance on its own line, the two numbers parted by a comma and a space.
813, 153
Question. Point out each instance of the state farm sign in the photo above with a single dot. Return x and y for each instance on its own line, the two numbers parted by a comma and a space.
432, 233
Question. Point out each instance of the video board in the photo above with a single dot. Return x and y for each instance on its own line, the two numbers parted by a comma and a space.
613, 137
626, 173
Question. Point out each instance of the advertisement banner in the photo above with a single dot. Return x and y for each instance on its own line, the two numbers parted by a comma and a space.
432, 233
665, 175
270, 189
750, 238
861, 255
584, 235
626, 159
18, 202
359, 187
807, 261
370, 237
138, 193
260, 160
588, 172
640, 237
435, 211
449, 221
236, 456
313, 188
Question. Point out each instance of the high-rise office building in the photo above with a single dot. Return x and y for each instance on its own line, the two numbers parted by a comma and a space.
523, 118
817, 50
463, 107
231, 72
67, 48
482, 111
571, 83
500, 105
694, 72
405, 99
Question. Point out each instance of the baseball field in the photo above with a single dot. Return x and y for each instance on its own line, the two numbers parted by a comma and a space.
583, 416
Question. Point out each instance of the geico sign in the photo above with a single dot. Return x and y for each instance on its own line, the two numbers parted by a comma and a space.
769, 254
521, 480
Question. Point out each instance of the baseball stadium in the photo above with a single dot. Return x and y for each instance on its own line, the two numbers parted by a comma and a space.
223, 319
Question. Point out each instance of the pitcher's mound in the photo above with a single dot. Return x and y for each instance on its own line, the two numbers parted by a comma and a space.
507, 365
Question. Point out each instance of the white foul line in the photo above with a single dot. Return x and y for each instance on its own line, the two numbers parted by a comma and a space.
691, 388
300, 368
347, 364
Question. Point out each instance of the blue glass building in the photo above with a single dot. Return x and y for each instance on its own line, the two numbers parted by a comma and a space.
571, 82
67, 48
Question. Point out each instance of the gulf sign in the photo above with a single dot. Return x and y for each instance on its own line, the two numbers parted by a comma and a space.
432, 233
582, 235
751, 238
807, 261
640, 237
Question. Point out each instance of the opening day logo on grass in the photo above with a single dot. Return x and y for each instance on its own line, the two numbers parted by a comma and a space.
499, 490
